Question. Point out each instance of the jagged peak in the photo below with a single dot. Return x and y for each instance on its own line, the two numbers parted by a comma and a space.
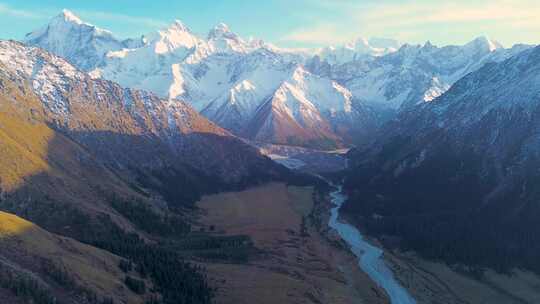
178, 26
221, 30
177, 35
222, 27
69, 16
63, 23
428, 45
485, 43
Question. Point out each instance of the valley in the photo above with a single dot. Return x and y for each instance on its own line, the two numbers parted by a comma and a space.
188, 167
299, 259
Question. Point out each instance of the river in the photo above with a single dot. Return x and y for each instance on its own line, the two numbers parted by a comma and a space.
369, 257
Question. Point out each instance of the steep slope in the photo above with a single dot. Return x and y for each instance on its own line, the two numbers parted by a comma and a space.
47, 177
412, 74
454, 178
284, 104
41, 166
229, 80
39, 266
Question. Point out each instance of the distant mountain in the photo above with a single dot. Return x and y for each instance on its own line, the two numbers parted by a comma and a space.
413, 74
357, 50
324, 98
455, 178
83, 44
232, 81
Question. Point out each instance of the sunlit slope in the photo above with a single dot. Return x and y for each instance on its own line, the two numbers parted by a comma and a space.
63, 267
40, 168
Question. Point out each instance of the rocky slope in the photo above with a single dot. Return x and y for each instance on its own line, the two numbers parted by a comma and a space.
464, 165
126, 127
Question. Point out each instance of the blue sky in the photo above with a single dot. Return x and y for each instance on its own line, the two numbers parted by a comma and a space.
297, 23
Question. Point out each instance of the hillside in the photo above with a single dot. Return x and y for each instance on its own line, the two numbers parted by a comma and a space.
41, 267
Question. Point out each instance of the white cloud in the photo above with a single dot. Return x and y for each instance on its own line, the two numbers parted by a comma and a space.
149, 22
7, 10
322, 34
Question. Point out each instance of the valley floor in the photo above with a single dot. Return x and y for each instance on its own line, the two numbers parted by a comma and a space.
297, 263
437, 283
431, 282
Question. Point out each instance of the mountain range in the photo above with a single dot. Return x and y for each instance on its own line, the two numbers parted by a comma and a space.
326, 98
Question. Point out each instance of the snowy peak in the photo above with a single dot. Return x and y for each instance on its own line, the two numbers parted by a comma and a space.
220, 31
483, 44
179, 26
222, 39
176, 36
81, 43
357, 49
69, 16
64, 22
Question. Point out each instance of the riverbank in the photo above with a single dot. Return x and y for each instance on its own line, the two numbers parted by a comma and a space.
437, 283
370, 257
431, 282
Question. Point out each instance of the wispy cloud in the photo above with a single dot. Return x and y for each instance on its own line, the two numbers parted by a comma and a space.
9, 11
322, 34
421, 13
105, 16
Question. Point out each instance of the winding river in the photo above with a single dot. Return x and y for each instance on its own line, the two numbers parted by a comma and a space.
369, 256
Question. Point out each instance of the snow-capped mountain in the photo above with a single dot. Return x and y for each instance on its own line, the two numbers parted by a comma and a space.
81, 43
412, 74
358, 49
265, 93
247, 86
